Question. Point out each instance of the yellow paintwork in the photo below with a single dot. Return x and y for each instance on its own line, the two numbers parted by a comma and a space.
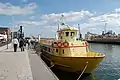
76, 64
73, 58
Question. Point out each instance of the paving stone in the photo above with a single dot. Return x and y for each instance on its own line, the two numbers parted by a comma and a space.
14, 65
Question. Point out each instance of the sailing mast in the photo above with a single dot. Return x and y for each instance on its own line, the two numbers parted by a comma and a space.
62, 22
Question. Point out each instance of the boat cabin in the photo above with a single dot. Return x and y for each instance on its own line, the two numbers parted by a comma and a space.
67, 45
67, 34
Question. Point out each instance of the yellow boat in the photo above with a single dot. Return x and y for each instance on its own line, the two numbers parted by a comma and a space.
67, 53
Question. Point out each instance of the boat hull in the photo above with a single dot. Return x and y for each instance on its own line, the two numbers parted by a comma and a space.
72, 64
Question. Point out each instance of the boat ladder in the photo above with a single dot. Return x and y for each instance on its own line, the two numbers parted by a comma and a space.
83, 71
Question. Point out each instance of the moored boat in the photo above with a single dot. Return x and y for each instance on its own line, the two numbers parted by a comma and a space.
69, 54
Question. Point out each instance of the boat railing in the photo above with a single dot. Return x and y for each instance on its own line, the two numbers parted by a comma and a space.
94, 54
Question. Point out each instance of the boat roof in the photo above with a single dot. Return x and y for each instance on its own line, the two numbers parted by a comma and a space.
70, 29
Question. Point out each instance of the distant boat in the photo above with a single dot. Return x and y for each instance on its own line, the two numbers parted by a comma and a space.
67, 53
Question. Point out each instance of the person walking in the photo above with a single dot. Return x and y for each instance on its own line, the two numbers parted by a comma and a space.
21, 44
15, 43
28, 41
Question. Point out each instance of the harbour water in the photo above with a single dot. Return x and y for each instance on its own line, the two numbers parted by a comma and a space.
109, 68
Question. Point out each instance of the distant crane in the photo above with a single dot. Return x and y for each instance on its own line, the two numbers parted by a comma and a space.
105, 27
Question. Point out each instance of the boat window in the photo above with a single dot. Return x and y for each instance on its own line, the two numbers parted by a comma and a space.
67, 33
56, 50
72, 33
49, 50
63, 51
55, 42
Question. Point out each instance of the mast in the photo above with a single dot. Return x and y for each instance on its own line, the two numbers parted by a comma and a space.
62, 20
105, 27
58, 27
80, 35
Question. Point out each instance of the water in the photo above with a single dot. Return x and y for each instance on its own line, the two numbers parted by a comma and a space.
109, 68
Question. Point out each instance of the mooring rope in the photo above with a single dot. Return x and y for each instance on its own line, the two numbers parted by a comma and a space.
83, 71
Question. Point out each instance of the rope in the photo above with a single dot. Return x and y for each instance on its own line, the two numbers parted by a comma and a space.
83, 71
52, 65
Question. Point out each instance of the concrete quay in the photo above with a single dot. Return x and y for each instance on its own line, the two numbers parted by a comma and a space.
23, 65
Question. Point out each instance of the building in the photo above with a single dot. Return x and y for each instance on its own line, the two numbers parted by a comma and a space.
89, 36
46, 40
5, 31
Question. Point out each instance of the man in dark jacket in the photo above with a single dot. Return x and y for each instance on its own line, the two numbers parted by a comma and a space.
21, 44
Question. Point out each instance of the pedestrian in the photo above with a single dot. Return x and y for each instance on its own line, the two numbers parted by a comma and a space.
21, 44
28, 43
15, 43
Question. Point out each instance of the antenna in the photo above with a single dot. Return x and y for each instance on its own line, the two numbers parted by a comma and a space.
58, 27
79, 28
80, 35
105, 27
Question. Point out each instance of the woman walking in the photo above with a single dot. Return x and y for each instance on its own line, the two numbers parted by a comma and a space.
15, 44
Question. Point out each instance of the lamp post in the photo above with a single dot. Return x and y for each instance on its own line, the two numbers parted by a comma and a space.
7, 38
39, 38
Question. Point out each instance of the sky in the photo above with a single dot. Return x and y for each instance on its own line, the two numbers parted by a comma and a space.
43, 16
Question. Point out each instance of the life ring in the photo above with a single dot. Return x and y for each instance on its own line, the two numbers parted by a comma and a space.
59, 44
66, 44
86, 43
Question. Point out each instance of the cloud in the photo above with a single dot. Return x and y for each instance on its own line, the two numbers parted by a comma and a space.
88, 21
31, 23
97, 23
9, 9
69, 16
106, 17
117, 10
32, 17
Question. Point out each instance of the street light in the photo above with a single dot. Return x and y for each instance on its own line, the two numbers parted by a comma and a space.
7, 38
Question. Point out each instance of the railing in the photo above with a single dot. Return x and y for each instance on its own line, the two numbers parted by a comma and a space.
94, 54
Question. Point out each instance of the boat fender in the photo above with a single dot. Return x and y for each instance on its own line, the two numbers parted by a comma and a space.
59, 44
83, 44
72, 44
66, 44
86, 43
